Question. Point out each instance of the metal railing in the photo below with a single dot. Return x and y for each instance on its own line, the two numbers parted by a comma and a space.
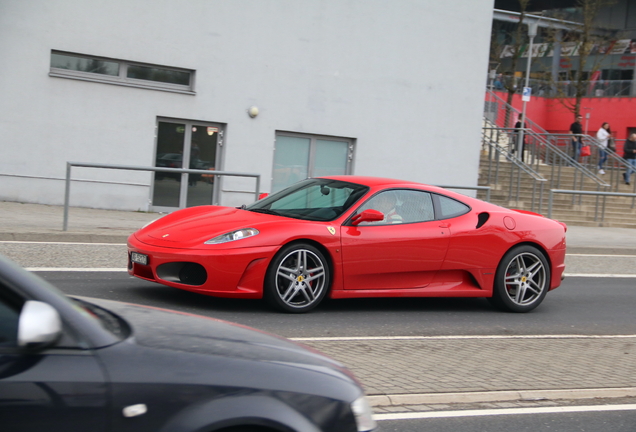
69, 165
598, 88
545, 152
475, 188
614, 165
541, 149
598, 194
497, 147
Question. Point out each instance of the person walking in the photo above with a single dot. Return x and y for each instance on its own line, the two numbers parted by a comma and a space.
518, 126
576, 129
603, 135
629, 154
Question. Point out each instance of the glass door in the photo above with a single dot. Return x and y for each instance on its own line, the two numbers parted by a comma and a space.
193, 145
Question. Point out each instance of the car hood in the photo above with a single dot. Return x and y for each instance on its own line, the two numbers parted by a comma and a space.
192, 227
178, 331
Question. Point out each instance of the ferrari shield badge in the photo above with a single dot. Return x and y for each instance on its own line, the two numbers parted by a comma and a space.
332, 230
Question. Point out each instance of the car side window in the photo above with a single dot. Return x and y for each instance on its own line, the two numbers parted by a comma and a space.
450, 208
401, 206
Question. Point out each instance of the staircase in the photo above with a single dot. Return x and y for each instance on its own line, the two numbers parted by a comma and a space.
571, 209
547, 165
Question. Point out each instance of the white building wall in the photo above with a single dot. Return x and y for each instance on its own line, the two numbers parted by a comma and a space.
405, 79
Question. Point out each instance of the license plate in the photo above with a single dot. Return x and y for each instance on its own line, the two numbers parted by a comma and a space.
139, 258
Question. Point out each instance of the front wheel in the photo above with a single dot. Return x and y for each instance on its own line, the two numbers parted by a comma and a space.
297, 279
522, 280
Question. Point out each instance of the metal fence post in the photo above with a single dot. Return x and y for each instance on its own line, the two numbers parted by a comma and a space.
67, 193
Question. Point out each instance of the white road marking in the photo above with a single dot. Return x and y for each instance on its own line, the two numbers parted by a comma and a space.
451, 337
599, 275
503, 411
75, 269
63, 243
599, 255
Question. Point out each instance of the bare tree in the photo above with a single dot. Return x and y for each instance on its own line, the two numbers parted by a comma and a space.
518, 38
590, 41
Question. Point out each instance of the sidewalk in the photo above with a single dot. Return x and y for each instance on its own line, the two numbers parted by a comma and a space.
404, 374
421, 373
37, 222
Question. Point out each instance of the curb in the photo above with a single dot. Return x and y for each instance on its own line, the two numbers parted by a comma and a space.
497, 396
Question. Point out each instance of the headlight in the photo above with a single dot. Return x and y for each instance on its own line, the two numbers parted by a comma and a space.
234, 235
363, 414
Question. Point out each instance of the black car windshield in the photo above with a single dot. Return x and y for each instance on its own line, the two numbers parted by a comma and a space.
312, 199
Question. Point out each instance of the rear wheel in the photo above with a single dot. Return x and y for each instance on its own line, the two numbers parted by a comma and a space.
297, 279
522, 280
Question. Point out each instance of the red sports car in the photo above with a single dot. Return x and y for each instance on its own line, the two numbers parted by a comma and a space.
351, 236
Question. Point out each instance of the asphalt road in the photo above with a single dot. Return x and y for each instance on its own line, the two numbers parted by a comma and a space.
582, 305
597, 298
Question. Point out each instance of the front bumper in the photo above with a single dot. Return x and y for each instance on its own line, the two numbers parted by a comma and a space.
232, 273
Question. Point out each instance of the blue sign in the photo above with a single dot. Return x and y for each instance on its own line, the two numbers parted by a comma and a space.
525, 96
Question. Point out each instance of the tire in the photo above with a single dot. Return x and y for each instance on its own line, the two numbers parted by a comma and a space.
297, 279
522, 280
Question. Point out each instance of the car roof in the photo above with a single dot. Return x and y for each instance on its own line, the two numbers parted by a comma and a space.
373, 181
382, 182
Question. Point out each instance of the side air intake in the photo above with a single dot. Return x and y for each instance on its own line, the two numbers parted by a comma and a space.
481, 219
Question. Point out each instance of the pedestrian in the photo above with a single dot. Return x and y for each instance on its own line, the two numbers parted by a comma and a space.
629, 154
518, 126
576, 129
603, 135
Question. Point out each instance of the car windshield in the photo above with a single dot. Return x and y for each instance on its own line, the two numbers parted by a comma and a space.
312, 199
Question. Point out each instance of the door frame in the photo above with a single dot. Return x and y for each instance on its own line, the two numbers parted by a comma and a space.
187, 138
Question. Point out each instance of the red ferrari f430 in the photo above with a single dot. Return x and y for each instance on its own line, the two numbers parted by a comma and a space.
350, 236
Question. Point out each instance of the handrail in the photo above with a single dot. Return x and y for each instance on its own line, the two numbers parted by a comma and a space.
614, 161
67, 189
578, 192
544, 140
475, 188
594, 89
506, 153
493, 143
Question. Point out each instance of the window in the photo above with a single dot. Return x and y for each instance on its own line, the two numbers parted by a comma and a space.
298, 157
449, 208
401, 206
121, 72
312, 199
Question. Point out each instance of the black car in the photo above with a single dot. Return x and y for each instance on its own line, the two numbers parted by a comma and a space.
96, 365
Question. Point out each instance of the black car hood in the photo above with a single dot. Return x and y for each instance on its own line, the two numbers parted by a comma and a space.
171, 330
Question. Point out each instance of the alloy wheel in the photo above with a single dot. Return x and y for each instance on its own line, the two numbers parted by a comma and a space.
300, 278
526, 279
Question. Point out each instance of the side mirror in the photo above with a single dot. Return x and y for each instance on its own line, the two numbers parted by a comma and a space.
367, 216
39, 325
263, 195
